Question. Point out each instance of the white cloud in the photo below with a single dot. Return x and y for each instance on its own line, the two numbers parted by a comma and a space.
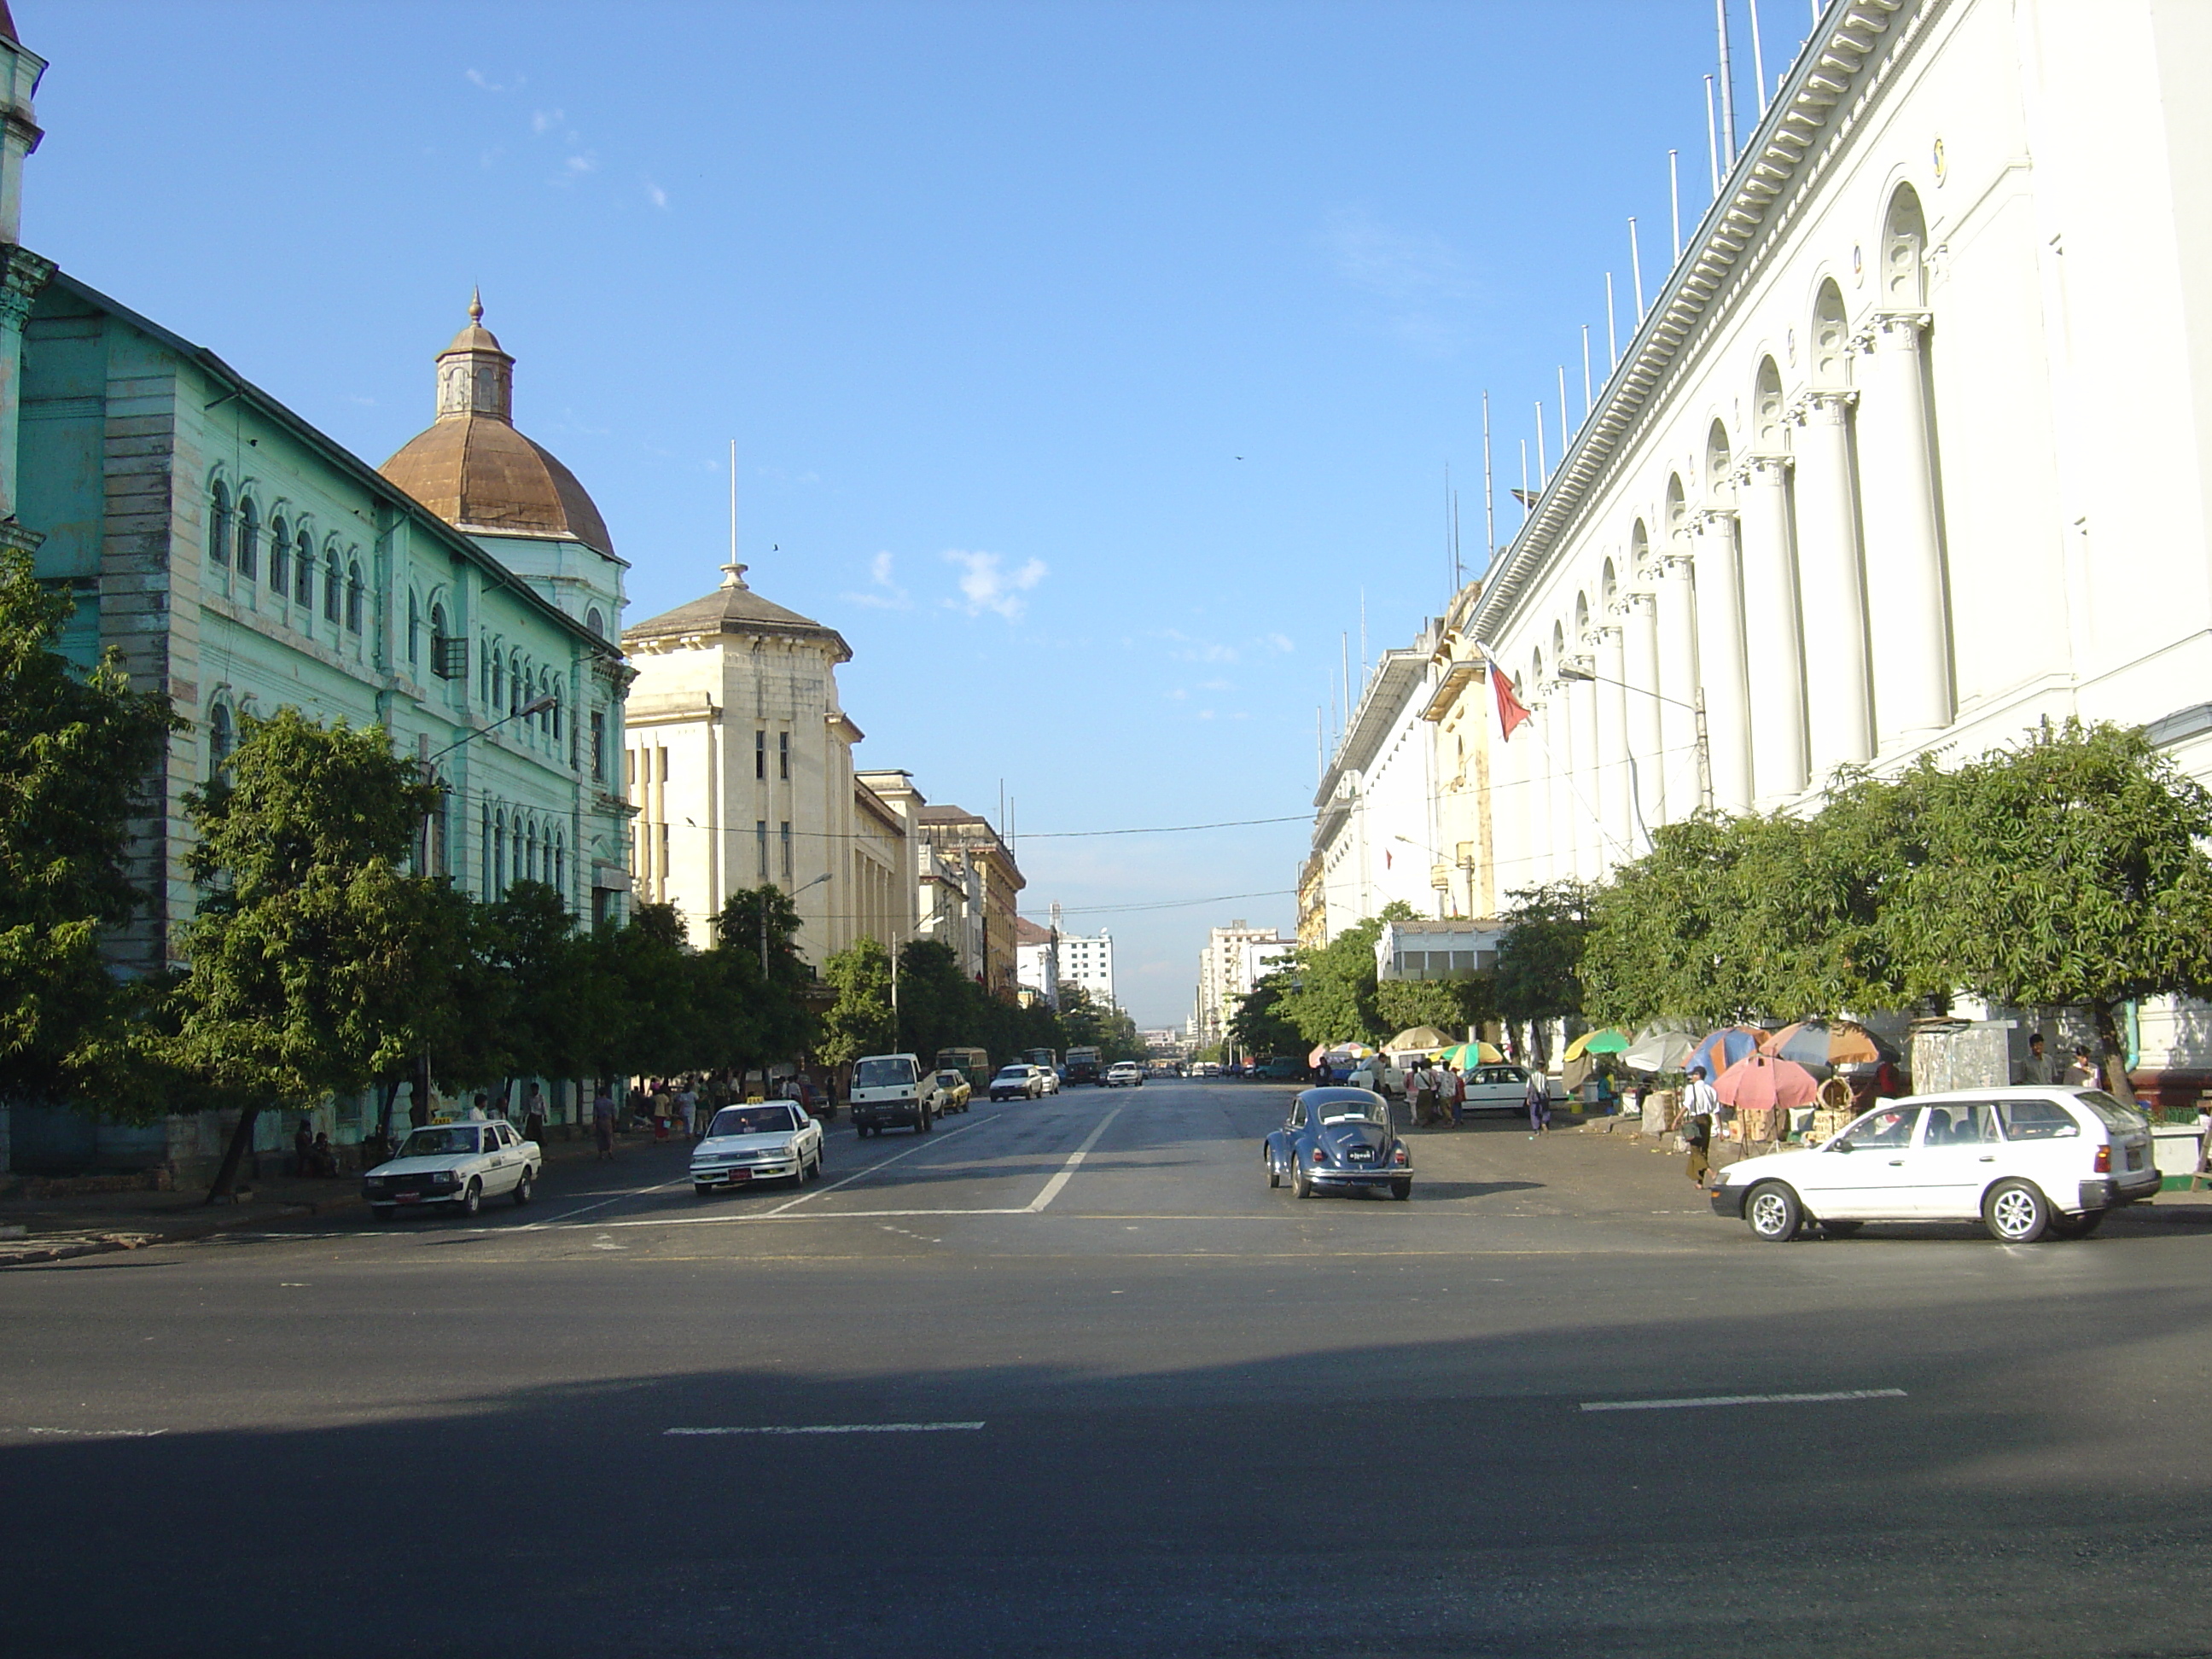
658, 197
586, 163
1424, 286
544, 120
1279, 641
888, 595
987, 585
484, 80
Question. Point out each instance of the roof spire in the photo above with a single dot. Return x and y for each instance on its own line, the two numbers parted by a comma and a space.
733, 573
476, 304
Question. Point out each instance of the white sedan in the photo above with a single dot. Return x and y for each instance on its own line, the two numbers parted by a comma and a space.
776, 1141
455, 1164
2026, 1161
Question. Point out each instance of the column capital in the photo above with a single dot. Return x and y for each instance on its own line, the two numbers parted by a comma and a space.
1707, 519
1894, 331
22, 274
1631, 601
1597, 635
1766, 471
1820, 406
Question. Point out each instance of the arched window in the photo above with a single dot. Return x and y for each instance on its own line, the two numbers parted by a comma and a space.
414, 628
497, 698
280, 556
1831, 339
1639, 547
222, 737
1606, 586
1904, 242
355, 593
516, 679
545, 696
499, 852
484, 840
1582, 617
533, 850
333, 586
557, 712
1678, 524
218, 540
560, 862
1719, 462
249, 537
1767, 409
303, 573
596, 622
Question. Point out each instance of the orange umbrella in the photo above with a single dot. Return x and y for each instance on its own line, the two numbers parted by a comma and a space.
1823, 1042
1761, 1083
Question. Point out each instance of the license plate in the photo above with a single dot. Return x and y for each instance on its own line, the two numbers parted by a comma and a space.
1363, 1158
736, 1176
407, 1197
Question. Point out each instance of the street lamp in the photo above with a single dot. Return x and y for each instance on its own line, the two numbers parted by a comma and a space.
1704, 750
536, 706
795, 892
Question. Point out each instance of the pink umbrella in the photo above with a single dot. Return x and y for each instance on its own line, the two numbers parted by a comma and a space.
1761, 1083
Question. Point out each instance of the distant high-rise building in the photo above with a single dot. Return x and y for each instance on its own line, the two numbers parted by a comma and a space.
1235, 958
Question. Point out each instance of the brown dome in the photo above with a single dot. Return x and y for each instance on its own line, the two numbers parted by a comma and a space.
479, 473
473, 469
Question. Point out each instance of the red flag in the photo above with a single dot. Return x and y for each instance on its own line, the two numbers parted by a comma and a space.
1510, 713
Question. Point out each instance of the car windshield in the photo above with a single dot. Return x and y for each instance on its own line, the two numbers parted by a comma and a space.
883, 1073
1014, 1074
753, 1120
439, 1143
951, 1079
2117, 1113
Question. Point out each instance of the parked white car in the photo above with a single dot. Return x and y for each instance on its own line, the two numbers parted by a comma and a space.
778, 1141
1047, 1080
1125, 1074
456, 1164
1497, 1088
2026, 1161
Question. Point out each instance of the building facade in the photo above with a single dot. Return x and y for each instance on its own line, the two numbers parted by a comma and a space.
966, 855
1234, 960
1088, 960
1848, 499
1036, 962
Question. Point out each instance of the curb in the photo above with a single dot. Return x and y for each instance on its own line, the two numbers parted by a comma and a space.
186, 1234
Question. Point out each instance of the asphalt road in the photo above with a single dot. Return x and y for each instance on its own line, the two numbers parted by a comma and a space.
1084, 1385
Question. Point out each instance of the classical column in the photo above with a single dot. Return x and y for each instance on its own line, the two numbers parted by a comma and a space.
1533, 773
1774, 656
1647, 783
1676, 602
22, 274
1558, 745
1906, 602
1720, 660
1610, 695
1839, 728
1592, 850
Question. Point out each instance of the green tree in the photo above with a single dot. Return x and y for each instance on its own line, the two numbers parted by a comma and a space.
1449, 1004
861, 1021
1540, 957
317, 963
940, 1007
1333, 998
1259, 1027
75, 755
2069, 869
761, 1015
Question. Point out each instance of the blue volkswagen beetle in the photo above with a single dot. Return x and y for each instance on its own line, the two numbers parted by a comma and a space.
1336, 1140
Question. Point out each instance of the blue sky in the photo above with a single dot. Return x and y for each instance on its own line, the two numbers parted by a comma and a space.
1087, 363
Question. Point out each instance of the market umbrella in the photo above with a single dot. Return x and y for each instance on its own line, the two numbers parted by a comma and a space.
1761, 1083
1724, 1048
1421, 1039
1607, 1041
1825, 1042
1471, 1053
1659, 1048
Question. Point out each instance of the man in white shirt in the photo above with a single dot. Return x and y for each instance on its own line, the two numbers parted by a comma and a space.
1701, 1109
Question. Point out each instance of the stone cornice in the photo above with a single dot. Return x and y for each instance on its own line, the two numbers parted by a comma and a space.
1851, 57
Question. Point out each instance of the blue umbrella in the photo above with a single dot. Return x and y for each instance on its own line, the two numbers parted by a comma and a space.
1722, 1050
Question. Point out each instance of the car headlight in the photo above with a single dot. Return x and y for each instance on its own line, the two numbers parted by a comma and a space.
375, 1183
446, 1178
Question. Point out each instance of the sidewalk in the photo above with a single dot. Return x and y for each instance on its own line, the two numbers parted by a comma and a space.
55, 1228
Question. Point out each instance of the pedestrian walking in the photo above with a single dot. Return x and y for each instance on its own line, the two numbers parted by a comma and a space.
533, 1114
1539, 1102
476, 1114
1458, 1096
1425, 1095
2083, 1073
2037, 1068
1700, 1108
687, 1105
603, 1123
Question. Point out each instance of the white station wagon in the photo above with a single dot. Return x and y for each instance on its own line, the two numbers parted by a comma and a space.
776, 1140
456, 1164
2026, 1161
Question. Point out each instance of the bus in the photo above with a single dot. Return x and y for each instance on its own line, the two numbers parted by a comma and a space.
973, 1064
1083, 1065
1044, 1057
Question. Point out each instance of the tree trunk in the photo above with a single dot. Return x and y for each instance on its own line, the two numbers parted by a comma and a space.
418, 1108
241, 1140
2111, 1058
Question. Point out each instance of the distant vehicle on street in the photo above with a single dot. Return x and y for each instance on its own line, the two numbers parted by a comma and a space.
1045, 1058
2026, 1161
953, 1091
1084, 1065
887, 1093
1338, 1140
1018, 1081
458, 1165
1049, 1076
1125, 1074
972, 1063
1207, 1068
1498, 1088
1283, 1068
778, 1141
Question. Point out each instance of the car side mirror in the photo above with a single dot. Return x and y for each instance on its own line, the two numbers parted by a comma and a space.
1841, 1146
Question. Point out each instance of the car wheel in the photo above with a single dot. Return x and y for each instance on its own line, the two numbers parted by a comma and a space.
524, 1190
2077, 1226
472, 1200
1275, 1169
1841, 1229
1402, 1189
2016, 1212
1301, 1182
925, 1122
1773, 1211
818, 1150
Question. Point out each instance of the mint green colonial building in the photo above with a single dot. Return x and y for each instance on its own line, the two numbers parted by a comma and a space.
466, 598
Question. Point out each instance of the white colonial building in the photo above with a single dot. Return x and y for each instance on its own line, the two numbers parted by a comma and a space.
1235, 960
1910, 452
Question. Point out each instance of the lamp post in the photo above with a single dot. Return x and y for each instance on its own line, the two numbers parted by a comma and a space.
795, 892
1698, 708
538, 706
